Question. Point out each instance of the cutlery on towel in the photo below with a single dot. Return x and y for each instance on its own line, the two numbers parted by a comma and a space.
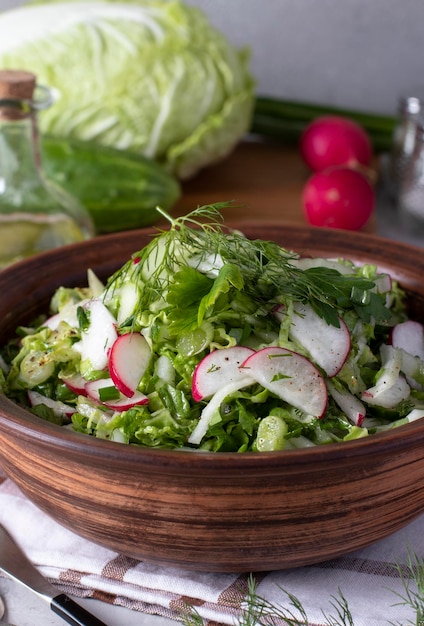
15, 564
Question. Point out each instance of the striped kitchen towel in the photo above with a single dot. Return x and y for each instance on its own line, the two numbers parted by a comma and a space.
371, 581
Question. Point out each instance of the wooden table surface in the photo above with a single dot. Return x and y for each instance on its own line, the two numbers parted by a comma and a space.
265, 180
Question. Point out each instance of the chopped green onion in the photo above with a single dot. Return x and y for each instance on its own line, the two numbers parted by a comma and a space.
285, 120
108, 393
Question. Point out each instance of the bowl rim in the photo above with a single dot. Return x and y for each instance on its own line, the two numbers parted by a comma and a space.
20, 421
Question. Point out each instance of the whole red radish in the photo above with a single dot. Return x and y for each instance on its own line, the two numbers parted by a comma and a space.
338, 197
334, 140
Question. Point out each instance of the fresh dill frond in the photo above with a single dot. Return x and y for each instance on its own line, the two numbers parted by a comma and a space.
344, 616
411, 576
258, 611
268, 270
191, 617
261, 612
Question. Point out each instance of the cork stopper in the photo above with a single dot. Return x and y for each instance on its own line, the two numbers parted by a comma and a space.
17, 84
16, 89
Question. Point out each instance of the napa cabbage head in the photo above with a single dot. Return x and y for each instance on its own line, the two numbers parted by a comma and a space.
150, 76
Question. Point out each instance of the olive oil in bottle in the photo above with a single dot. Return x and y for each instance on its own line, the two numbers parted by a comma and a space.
35, 214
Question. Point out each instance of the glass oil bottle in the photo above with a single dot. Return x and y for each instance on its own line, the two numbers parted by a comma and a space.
35, 214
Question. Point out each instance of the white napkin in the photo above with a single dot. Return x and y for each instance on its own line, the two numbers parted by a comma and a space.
368, 579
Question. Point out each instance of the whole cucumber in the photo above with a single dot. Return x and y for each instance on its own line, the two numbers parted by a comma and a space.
120, 189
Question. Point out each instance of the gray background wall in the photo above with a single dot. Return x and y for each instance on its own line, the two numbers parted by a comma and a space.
358, 54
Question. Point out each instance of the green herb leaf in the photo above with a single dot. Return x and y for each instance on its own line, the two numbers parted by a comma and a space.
228, 276
188, 287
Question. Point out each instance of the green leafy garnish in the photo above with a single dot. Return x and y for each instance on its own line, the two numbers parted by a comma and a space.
262, 269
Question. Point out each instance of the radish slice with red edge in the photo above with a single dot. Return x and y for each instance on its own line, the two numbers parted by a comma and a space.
327, 345
76, 383
128, 360
59, 408
388, 397
118, 401
351, 406
217, 369
291, 377
124, 403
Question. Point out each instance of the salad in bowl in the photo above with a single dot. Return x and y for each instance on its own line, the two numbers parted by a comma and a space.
208, 340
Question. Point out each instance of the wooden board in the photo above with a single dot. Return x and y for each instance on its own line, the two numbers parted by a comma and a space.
265, 180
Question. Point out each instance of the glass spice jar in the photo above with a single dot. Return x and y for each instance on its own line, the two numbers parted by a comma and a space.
410, 113
35, 214
411, 187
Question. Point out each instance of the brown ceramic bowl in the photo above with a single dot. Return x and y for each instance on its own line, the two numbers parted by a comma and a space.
206, 511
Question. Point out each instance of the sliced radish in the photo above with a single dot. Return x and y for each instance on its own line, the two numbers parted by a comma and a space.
409, 336
391, 361
100, 336
291, 377
92, 388
351, 406
121, 402
328, 346
76, 383
387, 397
59, 408
128, 361
53, 321
391, 387
67, 314
217, 369
124, 403
213, 405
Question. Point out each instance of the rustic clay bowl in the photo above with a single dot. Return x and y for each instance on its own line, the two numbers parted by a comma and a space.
206, 511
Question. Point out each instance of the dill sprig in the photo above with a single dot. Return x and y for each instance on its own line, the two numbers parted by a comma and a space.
267, 268
412, 578
258, 611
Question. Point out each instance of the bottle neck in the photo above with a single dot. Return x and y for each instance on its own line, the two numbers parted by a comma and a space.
19, 153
